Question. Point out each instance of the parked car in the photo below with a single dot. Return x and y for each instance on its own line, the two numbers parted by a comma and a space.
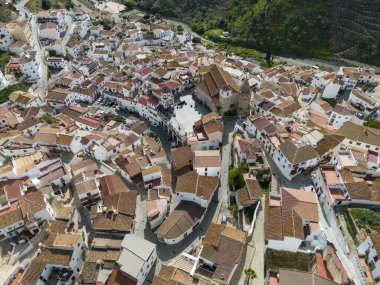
359, 116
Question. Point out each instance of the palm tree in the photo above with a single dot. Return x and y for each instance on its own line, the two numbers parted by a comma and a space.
249, 274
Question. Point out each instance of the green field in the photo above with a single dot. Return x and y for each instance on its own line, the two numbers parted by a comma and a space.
366, 219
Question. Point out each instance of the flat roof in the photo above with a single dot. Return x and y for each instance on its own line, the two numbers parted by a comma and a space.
130, 263
139, 246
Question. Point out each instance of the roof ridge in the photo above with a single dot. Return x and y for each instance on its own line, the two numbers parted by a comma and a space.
31, 201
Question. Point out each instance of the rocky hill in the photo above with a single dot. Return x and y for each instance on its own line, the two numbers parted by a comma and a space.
318, 28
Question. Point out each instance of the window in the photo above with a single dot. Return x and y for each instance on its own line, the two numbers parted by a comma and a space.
372, 265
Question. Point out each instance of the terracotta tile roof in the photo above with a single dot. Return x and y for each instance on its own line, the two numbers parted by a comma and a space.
249, 194
64, 139
66, 240
11, 188
359, 133
58, 226
92, 122
84, 166
86, 186
296, 154
209, 117
170, 275
224, 247
122, 202
95, 255
182, 157
202, 186
117, 277
343, 110
363, 191
89, 273
112, 184
8, 218
27, 124
217, 79
249, 147
286, 219
33, 272
31, 203
207, 158
328, 143
184, 216
113, 222
55, 256
213, 127
133, 169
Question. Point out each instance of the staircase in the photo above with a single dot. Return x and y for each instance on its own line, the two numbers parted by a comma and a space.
274, 186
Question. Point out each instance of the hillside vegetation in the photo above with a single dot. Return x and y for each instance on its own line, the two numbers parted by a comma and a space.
315, 28
7, 12
38, 5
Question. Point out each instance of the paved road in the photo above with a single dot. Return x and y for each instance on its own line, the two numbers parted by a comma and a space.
308, 62
84, 7
254, 255
188, 29
223, 195
342, 256
42, 82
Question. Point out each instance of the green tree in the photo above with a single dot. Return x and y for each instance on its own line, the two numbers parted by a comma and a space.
249, 275
52, 53
46, 5
47, 118
196, 40
233, 210
69, 5
372, 124
235, 175
180, 28
235, 178
129, 3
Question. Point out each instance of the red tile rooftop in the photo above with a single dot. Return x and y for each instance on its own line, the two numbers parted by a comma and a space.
322, 270
273, 280
192, 139
13, 207
275, 141
374, 158
314, 227
335, 194
201, 136
331, 176
17, 278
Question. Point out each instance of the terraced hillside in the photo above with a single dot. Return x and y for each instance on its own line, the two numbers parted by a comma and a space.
317, 28
356, 30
